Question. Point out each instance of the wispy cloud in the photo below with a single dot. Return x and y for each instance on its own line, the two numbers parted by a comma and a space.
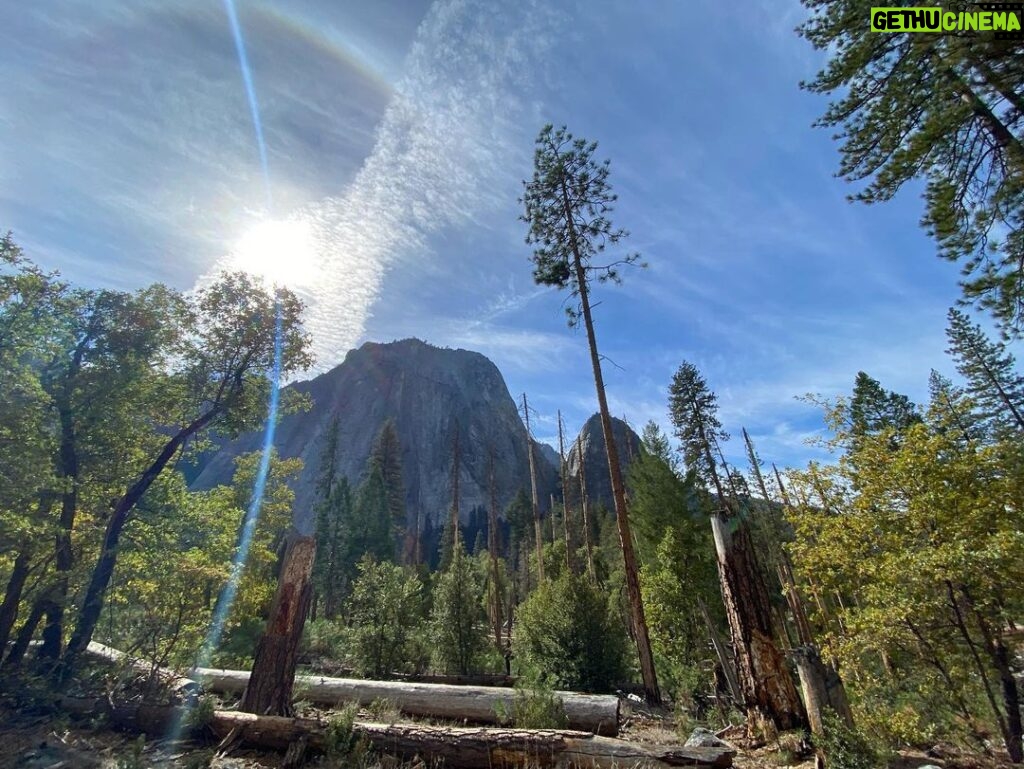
438, 162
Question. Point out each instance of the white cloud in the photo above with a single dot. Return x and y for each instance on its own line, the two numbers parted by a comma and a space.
438, 163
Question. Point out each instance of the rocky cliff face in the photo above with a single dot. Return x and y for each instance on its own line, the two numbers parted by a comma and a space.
598, 479
428, 392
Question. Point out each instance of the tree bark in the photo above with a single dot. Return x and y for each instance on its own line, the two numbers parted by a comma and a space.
563, 470
595, 713
492, 547
767, 686
269, 689
636, 605
12, 596
92, 605
457, 747
537, 533
24, 638
584, 503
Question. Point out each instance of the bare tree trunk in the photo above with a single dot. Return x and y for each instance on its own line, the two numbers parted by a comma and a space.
537, 533
821, 688
584, 504
12, 596
492, 547
563, 471
24, 638
456, 470
726, 660
459, 747
636, 605
269, 690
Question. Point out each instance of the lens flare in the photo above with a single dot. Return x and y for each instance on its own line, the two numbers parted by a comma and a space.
262, 262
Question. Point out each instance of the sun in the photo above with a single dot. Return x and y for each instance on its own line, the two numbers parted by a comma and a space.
282, 252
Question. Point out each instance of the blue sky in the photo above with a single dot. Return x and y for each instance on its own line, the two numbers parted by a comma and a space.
399, 133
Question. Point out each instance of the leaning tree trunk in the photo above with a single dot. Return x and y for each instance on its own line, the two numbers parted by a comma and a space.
269, 690
765, 681
636, 605
822, 688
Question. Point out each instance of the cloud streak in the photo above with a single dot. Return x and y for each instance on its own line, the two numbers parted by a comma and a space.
438, 162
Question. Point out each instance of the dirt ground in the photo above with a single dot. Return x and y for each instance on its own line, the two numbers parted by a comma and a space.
47, 741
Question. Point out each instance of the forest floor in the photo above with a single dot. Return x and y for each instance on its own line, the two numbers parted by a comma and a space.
39, 737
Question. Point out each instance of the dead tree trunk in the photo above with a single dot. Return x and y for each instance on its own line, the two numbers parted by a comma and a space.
492, 547
563, 471
822, 688
269, 690
537, 533
768, 690
584, 504
597, 713
457, 747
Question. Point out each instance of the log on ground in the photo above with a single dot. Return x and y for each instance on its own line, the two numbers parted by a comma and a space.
456, 747
596, 713
176, 684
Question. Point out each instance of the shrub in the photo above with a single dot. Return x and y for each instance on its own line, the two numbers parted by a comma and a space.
458, 623
384, 609
568, 635
844, 748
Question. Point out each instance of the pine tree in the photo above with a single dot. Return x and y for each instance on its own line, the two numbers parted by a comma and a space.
333, 523
567, 204
766, 685
655, 442
873, 409
693, 410
386, 456
940, 108
992, 380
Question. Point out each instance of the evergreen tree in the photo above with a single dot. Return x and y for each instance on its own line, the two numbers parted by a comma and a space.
458, 619
384, 609
952, 406
693, 409
567, 204
945, 109
387, 457
656, 443
333, 526
873, 409
993, 383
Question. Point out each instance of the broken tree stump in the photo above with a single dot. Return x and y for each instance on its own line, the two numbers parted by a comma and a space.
269, 688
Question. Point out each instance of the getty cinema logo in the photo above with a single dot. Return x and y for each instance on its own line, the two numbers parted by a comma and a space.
1004, 20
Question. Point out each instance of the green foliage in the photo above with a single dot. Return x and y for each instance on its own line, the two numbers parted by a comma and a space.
873, 409
567, 204
342, 748
943, 109
675, 582
919, 541
567, 633
660, 499
693, 409
536, 706
844, 748
458, 626
993, 384
384, 609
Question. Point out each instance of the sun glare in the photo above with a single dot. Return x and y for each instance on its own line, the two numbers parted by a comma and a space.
281, 252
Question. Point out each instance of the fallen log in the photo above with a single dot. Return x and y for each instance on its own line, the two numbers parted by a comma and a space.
596, 713
457, 747
175, 684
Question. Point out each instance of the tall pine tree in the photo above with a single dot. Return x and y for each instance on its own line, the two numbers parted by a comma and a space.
567, 204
